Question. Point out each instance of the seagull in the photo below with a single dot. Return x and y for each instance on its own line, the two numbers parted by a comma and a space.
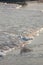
25, 38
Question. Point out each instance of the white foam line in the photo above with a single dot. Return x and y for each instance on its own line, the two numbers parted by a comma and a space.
37, 34
5, 3
38, 31
10, 49
18, 7
41, 29
5, 52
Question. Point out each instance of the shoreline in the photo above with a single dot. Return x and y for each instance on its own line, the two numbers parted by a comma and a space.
37, 33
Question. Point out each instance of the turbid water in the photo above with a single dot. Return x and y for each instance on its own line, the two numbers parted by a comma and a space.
21, 26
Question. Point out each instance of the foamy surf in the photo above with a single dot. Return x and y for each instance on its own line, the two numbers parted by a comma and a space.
41, 29
2, 54
22, 44
34, 34
38, 32
18, 7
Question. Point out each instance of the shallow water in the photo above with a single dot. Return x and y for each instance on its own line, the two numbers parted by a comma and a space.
24, 22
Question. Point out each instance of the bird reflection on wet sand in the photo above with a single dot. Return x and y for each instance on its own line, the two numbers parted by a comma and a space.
25, 50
